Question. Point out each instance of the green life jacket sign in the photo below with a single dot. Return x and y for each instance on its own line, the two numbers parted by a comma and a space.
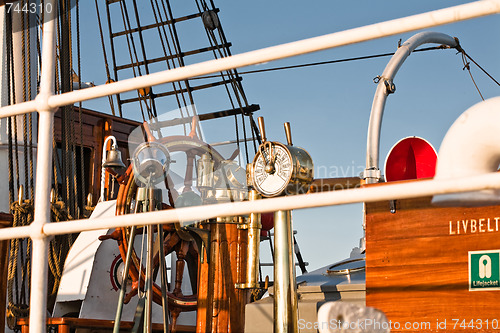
484, 270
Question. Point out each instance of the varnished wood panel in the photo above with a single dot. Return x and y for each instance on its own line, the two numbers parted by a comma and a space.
417, 265
221, 306
334, 184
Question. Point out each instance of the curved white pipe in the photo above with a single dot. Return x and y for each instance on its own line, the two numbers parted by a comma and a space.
384, 88
471, 147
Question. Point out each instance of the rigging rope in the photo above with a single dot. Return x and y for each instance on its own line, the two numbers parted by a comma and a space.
134, 59
466, 64
146, 65
80, 121
311, 64
173, 56
14, 305
465, 56
22, 216
8, 24
177, 55
19, 261
30, 115
164, 41
481, 68
75, 204
25, 29
106, 65
211, 23
467, 67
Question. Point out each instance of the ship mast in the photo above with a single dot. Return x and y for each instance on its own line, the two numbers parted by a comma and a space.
132, 33
144, 40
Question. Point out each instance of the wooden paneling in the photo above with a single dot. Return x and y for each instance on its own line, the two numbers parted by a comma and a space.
95, 128
334, 184
417, 265
221, 306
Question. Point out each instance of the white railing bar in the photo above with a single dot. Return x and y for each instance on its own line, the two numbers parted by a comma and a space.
371, 193
352, 36
18, 109
342, 38
39, 262
18, 232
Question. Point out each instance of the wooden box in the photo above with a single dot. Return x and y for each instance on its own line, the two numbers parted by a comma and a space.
426, 269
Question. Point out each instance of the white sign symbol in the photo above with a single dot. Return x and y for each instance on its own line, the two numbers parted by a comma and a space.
485, 266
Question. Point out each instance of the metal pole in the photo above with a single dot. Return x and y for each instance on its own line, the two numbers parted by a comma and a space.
163, 272
254, 228
285, 290
123, 289
149, 281
39, 265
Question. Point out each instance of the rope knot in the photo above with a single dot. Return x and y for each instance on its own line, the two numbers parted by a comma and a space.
59, 211
14, 312
23, 209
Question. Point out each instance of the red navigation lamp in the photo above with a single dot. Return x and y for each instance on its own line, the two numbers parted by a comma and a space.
410, 158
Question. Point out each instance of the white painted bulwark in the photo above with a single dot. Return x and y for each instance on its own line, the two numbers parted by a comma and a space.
80, 260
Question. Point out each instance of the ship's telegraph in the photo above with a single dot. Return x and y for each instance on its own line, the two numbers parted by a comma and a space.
279, 169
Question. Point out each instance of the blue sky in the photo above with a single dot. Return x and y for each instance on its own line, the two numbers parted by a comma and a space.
328, 106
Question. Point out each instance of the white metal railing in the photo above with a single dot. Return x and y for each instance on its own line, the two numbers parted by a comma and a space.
368, 194
342, 38
46, 103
